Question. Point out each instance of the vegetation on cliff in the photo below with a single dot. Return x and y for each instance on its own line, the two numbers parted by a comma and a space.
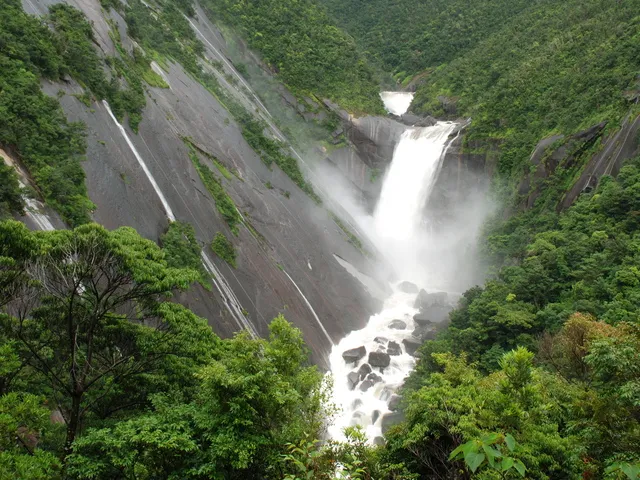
146, 390
308, 52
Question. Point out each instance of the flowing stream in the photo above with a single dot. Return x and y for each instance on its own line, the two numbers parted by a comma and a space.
377, 359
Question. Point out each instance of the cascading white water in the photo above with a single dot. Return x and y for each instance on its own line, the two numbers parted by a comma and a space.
396, 102
398, 226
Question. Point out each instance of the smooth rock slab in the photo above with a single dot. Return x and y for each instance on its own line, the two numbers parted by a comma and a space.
379, 359
354, 355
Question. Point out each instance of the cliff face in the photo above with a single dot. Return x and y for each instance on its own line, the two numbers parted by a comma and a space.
285, 250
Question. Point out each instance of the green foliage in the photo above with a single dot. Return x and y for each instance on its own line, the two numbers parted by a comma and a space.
169, 33
584, 262
253, 396
555, 67
412, 35
224, 203
10, 199
182, 249
223, 248
489, 451
307, 51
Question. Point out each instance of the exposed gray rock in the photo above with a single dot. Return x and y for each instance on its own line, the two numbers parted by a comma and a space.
398, 325
375, 378
354, 355
391, 419
357, 403
394, 402
411, 345
364, 370
424, 333
408, 287
422, 319
375, 415
394, 349
432, 314
425, 299
378, 441
386, 393
353, 378
379, 359
366, 385
381, 340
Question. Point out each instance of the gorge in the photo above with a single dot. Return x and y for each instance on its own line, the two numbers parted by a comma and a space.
325, 239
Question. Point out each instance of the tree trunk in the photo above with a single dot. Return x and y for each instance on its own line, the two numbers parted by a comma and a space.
73, 423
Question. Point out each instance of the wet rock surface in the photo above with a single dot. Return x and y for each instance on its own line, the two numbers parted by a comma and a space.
292, 232
394, 349
353, 378
354, 355
398, 325
379, 359
364, 370
411, 345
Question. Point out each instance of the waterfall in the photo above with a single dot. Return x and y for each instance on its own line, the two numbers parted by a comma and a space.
396, 102
361, 389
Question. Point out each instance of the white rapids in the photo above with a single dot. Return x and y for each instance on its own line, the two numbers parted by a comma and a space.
397, 227
396, 102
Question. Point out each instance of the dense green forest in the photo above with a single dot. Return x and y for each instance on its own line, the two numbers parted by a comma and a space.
308, 52
409, 36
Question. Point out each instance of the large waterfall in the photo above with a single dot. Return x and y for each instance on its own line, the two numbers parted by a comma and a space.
377, 357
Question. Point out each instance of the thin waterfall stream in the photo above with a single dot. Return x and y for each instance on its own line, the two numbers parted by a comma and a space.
369, 365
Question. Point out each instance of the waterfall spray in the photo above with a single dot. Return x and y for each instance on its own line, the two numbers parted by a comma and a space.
364, 382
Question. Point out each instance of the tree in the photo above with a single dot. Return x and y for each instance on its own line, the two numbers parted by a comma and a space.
86, 315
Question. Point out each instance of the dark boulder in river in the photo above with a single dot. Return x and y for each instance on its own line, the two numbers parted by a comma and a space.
379, 359
354, 355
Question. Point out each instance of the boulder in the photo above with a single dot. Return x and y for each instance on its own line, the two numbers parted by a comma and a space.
408, 287
425, 299
364, 370
394, 402
379, 359
366, 385
391, 419
353, 378
386, 393
375, 378
381, 340
411, 345
422, 319
374, 416
397, 325
394, 349
354, 355
424, 332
